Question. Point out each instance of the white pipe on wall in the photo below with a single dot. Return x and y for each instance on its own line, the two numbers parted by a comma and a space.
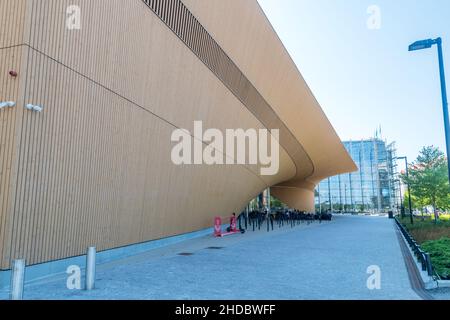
7, 104
34, 108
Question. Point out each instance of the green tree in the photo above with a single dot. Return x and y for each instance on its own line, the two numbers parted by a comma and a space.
416, 202
275, 203
428, 179
443, 202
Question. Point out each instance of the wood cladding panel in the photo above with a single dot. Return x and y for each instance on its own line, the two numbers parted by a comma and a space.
94, 167
12, 22
13, 14
9, 138
96, 170
150, 68
244, 32
126, 53
207, 49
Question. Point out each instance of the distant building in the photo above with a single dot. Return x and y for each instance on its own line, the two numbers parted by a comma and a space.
373, 188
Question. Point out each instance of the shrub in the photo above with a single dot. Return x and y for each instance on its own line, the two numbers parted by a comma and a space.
439, 251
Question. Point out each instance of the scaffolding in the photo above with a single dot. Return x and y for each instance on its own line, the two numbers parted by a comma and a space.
395, 181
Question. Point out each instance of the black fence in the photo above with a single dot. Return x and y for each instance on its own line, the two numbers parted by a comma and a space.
421, 255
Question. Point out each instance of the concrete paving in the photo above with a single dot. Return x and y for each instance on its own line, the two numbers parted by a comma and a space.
440, 294
318, 261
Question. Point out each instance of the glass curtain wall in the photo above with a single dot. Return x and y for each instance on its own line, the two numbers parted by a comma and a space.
371, 189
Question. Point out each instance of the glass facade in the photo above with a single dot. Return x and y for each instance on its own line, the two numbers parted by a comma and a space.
371, 189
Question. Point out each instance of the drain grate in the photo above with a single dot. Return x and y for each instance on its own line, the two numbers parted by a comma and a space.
214, 248
186, 254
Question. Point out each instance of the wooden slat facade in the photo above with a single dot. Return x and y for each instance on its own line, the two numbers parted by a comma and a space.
94, 167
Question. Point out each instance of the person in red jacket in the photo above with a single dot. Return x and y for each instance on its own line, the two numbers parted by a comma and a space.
233, 223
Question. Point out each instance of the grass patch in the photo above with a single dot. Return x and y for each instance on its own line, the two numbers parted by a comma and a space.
439, 251
434, 239
427, 229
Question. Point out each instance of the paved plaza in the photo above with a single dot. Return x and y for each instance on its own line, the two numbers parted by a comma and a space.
317, 261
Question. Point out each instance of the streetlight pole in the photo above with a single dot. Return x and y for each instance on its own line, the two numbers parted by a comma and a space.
329, 195
444, 101
426, 44
409, 189
320, 201
402, 210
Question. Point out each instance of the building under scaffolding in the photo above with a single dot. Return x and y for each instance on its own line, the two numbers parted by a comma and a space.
373, 188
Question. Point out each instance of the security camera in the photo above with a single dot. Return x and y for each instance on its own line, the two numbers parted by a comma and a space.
7, 104
34, 108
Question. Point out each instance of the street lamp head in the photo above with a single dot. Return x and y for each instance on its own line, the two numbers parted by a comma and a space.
423, 44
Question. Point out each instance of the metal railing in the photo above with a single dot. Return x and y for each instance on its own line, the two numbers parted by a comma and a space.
423, 257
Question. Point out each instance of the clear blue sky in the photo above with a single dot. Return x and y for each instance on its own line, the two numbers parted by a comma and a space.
366, 78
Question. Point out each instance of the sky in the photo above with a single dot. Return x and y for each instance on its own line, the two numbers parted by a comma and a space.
365, 77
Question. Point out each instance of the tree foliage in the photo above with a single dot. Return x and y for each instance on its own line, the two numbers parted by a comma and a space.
428, 179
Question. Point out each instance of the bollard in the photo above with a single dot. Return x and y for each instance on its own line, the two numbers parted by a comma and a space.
17, 279
90, 269
429, 264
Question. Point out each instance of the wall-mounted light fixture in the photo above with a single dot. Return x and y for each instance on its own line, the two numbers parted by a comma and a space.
34, 108
7, 104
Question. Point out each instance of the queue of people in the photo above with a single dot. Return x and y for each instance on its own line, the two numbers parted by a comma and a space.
280, 217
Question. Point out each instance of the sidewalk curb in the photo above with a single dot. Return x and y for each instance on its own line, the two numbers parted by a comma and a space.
423, 281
